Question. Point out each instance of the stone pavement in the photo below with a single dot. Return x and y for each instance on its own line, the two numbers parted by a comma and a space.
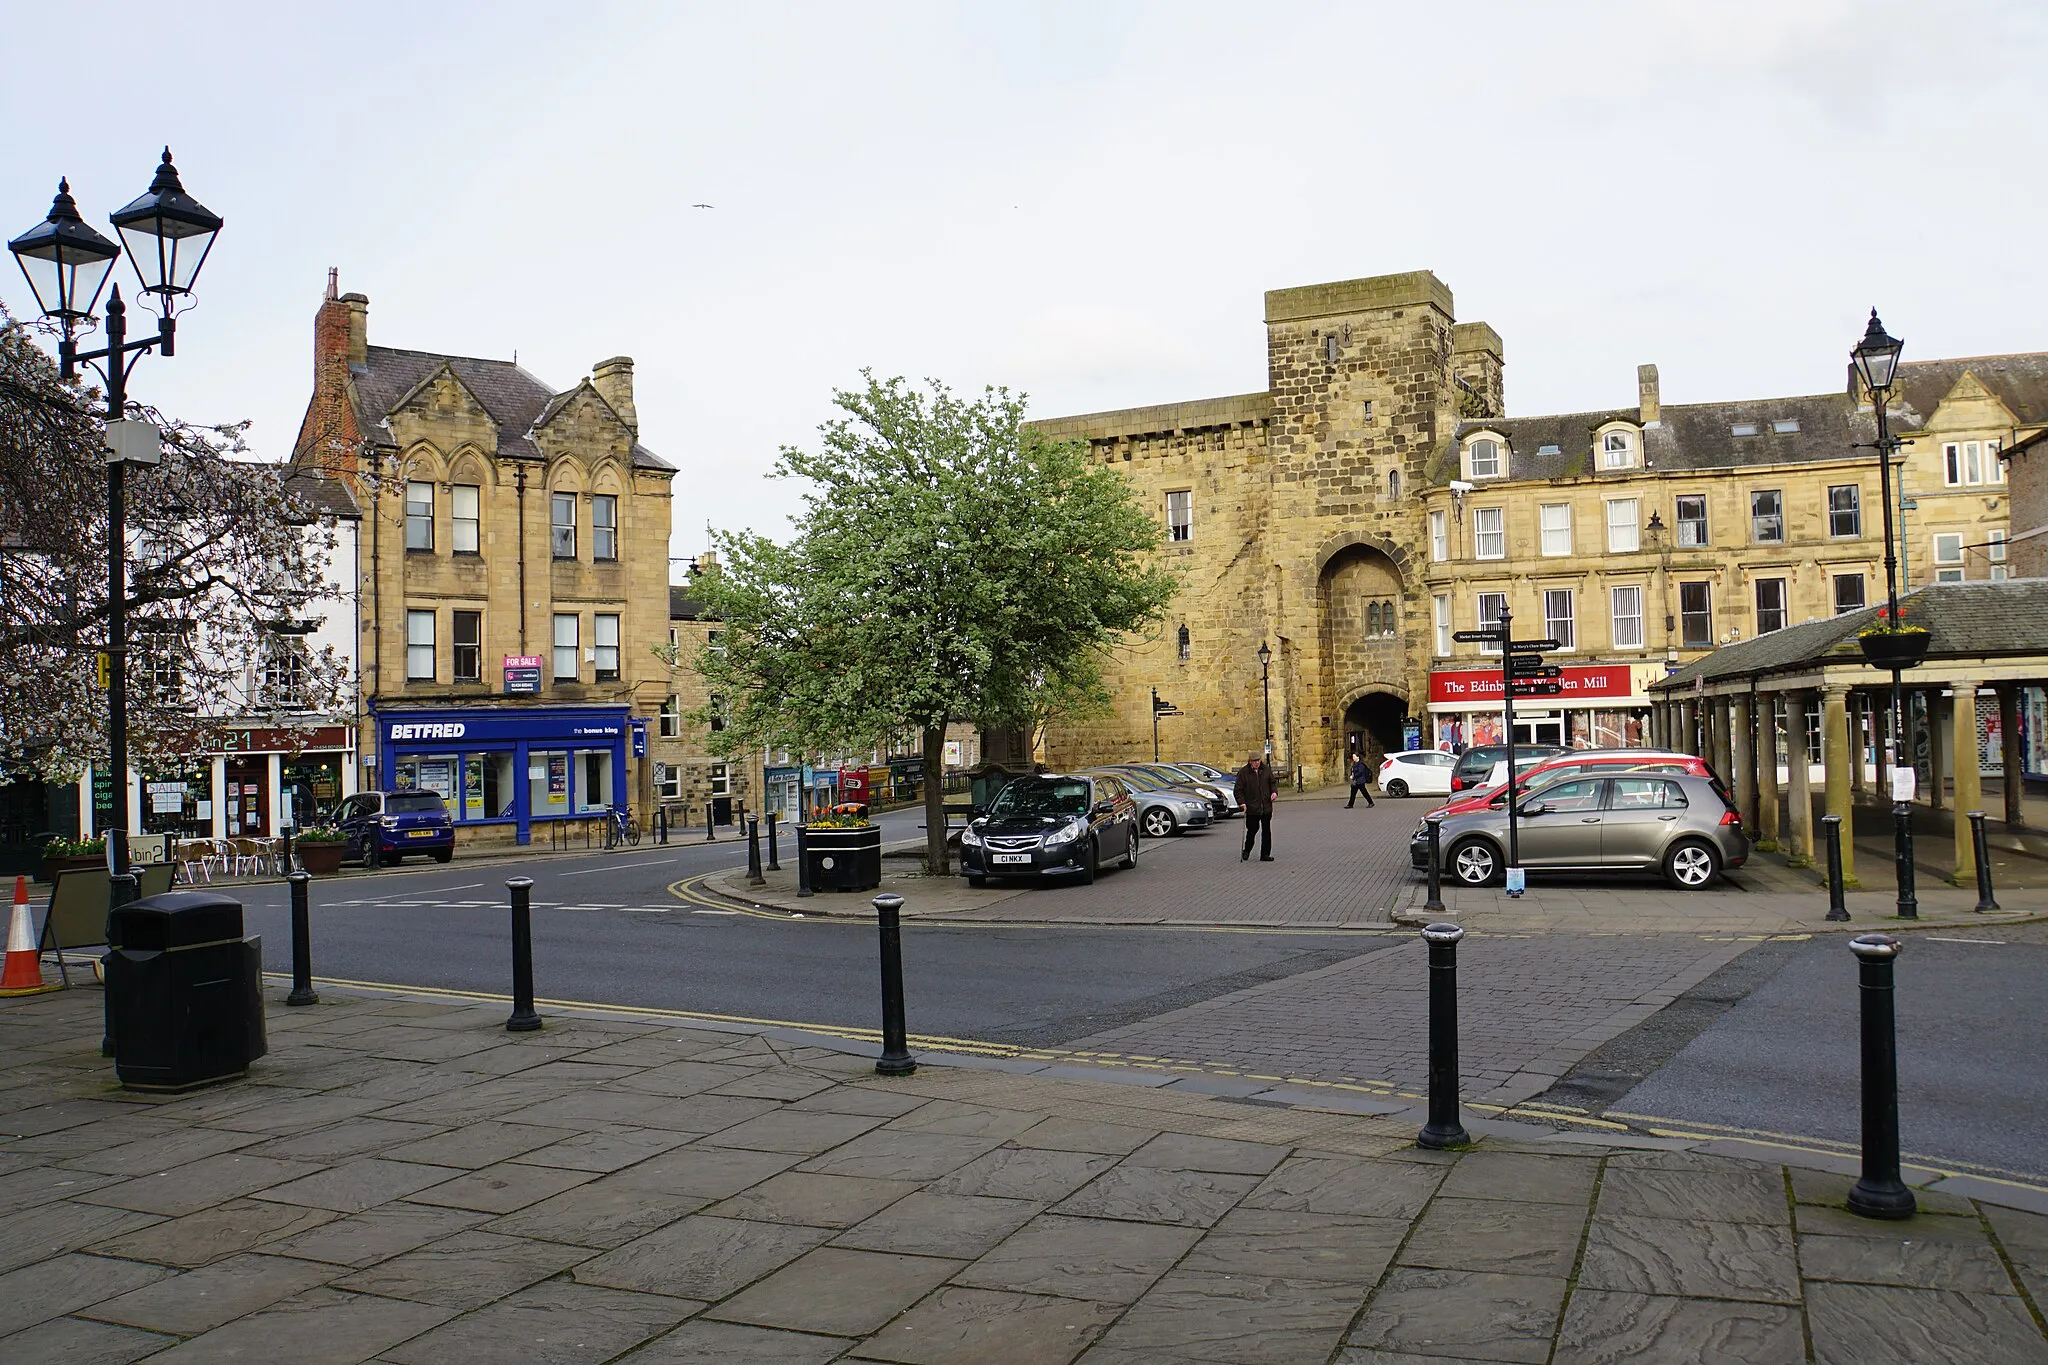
402, 1181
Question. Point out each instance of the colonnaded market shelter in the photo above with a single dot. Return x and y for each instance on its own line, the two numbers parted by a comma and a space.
1976, 706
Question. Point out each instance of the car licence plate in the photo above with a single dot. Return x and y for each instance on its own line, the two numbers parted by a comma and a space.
1010, 858
421, 833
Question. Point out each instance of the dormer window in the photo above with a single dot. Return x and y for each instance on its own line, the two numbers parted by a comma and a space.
1616, 451
1484, 456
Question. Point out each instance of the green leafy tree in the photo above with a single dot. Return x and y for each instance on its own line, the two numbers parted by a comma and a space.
950, 564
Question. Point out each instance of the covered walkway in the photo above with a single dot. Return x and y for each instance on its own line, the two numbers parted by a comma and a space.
1975, 705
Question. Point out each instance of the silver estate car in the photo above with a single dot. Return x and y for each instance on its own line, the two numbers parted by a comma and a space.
1672, 823
1162, 810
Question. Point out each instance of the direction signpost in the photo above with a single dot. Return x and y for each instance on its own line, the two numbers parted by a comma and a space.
1159, 708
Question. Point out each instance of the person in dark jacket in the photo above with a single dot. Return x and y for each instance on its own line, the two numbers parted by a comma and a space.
1361, 779
1255, 788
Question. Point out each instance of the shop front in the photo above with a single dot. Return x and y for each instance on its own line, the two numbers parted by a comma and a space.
1600, 706
508, 767
247, 782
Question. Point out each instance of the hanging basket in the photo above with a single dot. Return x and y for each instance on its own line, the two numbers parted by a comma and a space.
1894, 649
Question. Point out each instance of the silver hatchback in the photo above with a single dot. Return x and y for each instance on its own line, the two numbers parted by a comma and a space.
1673, 823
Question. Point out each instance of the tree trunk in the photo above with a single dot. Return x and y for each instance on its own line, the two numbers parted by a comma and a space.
935, 801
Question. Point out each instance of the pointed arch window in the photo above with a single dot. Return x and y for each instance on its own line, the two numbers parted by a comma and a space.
1184, 644
1393, 484
1372, 619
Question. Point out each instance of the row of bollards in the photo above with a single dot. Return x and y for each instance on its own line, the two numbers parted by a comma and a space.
1902, 841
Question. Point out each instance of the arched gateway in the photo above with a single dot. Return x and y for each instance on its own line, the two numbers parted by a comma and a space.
1364, 625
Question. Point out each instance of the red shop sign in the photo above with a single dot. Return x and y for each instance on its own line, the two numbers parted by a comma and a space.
1483, 684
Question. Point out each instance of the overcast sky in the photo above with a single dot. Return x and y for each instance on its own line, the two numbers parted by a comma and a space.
1081, 201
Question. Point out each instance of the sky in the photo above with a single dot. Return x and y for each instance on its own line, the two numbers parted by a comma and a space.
1084, 202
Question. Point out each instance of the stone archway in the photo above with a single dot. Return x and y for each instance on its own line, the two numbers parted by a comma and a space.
1372, 726
1361, 594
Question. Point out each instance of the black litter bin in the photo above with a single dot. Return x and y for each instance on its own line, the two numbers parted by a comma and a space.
185, 991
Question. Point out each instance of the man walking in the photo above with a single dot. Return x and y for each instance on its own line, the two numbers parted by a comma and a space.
1255, 788
1361, 777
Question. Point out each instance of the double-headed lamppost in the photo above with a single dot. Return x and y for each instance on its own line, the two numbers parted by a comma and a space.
1877, 363
167, 233
1266, 692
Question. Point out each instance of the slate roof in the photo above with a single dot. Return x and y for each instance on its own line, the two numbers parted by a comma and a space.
1701, 435
1966, 621
514, 399
682, 606
2020, 381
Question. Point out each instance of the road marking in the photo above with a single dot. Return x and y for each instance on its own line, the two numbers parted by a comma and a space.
645, 909
714, 912
1992, 942
466, 886
613, 867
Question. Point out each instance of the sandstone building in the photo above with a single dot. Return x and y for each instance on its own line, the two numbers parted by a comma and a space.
513, 585
1376, 498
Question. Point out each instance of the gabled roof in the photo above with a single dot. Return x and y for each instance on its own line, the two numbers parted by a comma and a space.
2020, 381
323, 493
1965, 621
514, 399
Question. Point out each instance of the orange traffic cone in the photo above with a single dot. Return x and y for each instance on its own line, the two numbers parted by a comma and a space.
23, 974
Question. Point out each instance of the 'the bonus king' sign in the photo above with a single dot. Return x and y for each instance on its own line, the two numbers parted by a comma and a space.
1484, 684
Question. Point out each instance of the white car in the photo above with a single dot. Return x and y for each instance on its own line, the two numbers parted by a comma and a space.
1418, 772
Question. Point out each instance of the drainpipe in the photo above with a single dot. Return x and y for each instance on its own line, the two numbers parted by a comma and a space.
520, 473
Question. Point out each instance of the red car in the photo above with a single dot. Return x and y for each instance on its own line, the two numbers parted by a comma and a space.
1575, 762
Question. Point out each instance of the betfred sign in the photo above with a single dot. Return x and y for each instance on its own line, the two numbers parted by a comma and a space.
1484, 684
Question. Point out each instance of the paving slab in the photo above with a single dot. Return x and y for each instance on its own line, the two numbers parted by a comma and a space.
972, 1326
732, 1343
1606, 1328
200, 1300
837, 1290
318, 1328
700, 1257
63, 1284
464, 1271
211, 1234
557, 1323
75, 1341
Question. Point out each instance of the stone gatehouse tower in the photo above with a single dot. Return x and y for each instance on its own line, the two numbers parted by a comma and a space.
1294, 519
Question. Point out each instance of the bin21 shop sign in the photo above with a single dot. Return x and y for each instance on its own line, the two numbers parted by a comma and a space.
1484, 684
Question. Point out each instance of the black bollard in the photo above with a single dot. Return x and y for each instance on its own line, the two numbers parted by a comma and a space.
523, 1019
1982, 843
710, 829
122, 888
1436, 878
1902, 844
1880, 1193
1444, 1129
661, 824
895, 1059
774, 864
1831, 830
803, 864
302, 942
284, 848
754, 877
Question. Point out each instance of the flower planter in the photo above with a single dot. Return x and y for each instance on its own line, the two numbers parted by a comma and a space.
320, 859
843, 859
52, 866
1890, 650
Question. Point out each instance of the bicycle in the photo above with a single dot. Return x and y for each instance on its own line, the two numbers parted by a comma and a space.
623, 828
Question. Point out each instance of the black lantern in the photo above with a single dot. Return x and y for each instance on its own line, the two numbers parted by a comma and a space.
1656, 530
167, 233
1877, 356
66, 261
1265, 654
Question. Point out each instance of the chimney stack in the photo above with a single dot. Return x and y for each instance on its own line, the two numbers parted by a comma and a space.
1646, 395
613, 380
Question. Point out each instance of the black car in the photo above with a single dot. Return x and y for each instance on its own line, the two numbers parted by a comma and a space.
1476, 763
383, 827
1052, 825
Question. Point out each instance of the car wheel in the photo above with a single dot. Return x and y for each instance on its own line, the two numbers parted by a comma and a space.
1130, 859
1693, 864
976, 882
372, 857
444, 855
1089, 858
1159, 823
1397, 788
1474, 862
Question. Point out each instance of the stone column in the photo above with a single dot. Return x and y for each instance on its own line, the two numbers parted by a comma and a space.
1767, 770
1969, 763
1858, 746
1798, 781
2015, 762
1839, 758
1742, 761
1724, 748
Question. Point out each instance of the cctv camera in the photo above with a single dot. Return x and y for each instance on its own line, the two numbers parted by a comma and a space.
1459, 486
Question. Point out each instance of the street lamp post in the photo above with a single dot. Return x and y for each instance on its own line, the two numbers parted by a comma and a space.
167, 234
1266, 692
1877, 362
